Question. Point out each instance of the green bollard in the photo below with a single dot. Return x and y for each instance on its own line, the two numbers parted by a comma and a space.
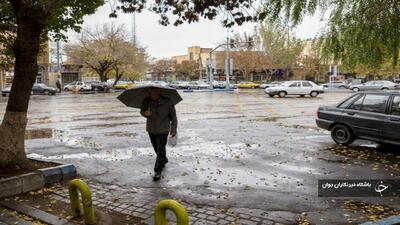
88, 211
182, 217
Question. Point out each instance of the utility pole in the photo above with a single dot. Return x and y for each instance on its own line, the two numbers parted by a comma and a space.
58, 56
134, 28
228, 59
288, 46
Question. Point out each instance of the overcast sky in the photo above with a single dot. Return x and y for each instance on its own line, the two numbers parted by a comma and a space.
164, 42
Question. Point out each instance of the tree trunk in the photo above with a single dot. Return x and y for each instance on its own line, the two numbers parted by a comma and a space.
26, 49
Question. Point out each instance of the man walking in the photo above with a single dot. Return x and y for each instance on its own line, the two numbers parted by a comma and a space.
161, 121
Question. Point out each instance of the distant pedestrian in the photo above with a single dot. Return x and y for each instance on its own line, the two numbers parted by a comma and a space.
161, 121
58, 84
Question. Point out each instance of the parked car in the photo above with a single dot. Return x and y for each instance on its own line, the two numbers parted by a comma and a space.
198, 85
272, 84
247, 85
68, 87
78, 85
370, 116
142, 83
124, 85
37, 89
299, 87
375, 85
5, 91
219, 84
98, 86
336, 84
160, 83
42, 89
179, 84
397, 81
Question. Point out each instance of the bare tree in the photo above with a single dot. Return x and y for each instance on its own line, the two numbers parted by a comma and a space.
105, 49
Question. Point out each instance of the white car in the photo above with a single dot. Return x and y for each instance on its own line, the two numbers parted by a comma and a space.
297, 87
272, 84
198, 85
159, 83
79, 85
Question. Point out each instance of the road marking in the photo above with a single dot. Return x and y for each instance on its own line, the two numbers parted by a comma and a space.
238, 104
268, 108
214, 103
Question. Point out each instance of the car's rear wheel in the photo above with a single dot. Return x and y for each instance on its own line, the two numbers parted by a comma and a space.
356, 89
342, 134
4, 95
385, 89
271, 95
302, 96
282, 94
314, 94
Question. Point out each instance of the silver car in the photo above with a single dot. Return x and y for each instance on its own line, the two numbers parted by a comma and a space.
375, 85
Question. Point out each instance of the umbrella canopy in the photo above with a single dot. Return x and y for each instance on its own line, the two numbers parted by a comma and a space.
134, 97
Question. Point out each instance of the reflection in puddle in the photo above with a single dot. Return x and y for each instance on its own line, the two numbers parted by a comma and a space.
39, 134
60, 136
120, 134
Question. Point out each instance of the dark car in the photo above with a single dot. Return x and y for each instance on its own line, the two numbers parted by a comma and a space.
38, 89
6, 91
368, 116
98, 86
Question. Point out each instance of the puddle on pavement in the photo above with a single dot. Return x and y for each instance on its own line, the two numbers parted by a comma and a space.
120, 134
42, 120
60, 136
39, 133
111, 125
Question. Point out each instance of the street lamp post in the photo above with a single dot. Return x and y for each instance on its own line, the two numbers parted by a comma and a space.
228, 62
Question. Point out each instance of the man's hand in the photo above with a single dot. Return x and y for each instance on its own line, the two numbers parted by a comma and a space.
147, 113
173, 133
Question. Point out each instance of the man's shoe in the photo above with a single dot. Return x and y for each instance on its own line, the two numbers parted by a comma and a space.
157, 177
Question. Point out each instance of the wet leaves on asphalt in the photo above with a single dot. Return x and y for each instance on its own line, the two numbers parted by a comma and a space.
373, 212
383, 160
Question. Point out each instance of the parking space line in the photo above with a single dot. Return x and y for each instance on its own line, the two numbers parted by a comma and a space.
213, 104
238, 103
268, 108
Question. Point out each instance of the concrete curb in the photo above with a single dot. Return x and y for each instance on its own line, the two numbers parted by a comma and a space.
36, 180
387, 221
21, 184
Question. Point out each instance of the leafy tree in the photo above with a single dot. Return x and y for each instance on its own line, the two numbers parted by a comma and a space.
29, 22
359, 33
162, 68
281, 48
187, 69
34, 20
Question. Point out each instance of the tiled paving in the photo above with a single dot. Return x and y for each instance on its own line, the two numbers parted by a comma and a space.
110, 198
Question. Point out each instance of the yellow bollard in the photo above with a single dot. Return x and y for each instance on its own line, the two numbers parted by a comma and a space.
182, 217
88, 211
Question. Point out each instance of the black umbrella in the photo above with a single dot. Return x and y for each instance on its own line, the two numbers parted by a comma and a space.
134, 97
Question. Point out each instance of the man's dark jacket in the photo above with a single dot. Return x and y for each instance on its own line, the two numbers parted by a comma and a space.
163, 116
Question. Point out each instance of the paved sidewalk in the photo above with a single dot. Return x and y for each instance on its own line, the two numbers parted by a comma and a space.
141, 203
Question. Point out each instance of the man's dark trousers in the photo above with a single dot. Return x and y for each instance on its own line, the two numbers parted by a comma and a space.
159, 141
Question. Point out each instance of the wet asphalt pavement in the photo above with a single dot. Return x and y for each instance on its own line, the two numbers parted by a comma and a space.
239, 150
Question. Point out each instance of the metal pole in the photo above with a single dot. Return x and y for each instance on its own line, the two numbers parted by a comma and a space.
228, 61
58, 56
